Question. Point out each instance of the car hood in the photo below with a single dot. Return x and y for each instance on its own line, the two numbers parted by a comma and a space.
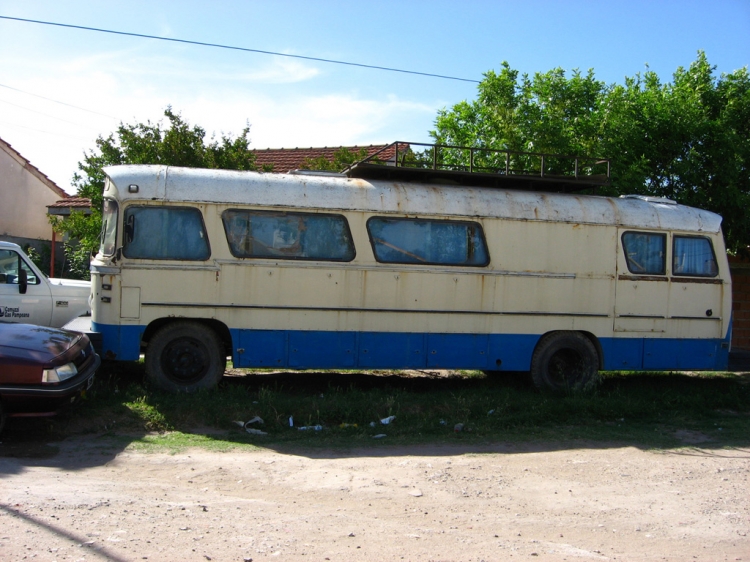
70, 288
70, 282
37, 343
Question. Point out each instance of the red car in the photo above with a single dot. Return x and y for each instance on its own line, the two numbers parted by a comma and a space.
42, 369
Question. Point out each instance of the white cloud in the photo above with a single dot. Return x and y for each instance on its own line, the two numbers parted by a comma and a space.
286, 102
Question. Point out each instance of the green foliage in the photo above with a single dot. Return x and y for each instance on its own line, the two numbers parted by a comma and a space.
78, 257
40, 259
342, 159
643, 409
175, 144
688, 139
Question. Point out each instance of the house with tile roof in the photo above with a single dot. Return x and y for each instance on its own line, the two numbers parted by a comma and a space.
25, 195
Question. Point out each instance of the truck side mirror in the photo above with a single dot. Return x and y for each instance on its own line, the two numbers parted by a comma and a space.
23, 281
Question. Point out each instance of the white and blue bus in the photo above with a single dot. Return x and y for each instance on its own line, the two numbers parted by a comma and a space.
324, 271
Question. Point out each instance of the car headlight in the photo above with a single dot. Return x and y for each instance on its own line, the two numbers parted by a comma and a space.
59, 374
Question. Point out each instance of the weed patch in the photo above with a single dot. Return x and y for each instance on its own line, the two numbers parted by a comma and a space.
643, 409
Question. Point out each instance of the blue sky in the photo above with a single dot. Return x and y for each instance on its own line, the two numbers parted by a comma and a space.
292, 102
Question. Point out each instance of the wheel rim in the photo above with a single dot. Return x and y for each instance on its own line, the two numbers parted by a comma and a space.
566, 367
185, 360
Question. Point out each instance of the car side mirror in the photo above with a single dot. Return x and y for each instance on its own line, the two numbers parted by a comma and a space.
23, 281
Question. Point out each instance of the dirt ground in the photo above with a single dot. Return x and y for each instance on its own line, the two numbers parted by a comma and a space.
582, 501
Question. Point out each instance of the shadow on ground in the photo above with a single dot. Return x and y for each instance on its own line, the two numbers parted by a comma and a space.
500, 413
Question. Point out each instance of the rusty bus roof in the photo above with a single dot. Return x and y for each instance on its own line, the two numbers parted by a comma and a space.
338, 193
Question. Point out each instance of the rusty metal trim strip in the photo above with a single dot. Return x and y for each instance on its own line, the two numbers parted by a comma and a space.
175, 267
642, 278
384, 310
711, 281
695, 318
405, 268
648, 317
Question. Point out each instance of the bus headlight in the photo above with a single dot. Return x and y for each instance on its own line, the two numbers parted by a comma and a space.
59, 374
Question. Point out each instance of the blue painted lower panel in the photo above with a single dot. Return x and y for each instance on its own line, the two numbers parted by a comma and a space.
382, 350
122, 343
296, 349
661, 354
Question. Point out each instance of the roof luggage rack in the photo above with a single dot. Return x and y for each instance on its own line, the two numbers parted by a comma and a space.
483, 167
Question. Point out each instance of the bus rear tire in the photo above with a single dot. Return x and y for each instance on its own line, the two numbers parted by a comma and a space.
185, 357
565, 362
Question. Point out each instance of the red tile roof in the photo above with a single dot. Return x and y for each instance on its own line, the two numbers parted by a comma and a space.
71, 203
286, 159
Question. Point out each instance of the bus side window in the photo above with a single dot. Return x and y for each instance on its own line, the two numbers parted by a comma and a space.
645, 252
165, 233
301, 236
428, 242
693, 255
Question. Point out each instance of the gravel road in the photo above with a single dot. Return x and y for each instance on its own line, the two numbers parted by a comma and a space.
554, 501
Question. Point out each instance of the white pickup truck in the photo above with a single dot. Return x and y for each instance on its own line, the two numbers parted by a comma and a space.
28, 296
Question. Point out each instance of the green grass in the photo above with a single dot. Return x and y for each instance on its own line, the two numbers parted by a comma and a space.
641, 409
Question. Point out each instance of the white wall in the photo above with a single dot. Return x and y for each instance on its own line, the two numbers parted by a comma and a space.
24, 196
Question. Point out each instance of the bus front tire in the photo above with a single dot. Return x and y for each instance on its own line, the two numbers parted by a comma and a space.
565, 362
185, 357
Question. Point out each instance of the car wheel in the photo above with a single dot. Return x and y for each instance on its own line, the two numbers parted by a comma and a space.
565, 362
185, 357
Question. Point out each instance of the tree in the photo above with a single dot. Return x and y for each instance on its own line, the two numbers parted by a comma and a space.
687, 139
176, 144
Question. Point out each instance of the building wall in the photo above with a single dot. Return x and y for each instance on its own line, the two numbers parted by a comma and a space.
24, 195
740, 303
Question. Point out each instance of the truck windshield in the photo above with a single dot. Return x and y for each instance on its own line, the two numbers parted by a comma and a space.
109, 228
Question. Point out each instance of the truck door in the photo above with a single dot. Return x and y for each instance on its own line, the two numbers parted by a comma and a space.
34, 306
642, 286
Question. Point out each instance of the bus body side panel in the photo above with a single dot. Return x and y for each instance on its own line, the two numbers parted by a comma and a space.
382, 350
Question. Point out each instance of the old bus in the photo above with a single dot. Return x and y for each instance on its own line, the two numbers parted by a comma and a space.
325, 271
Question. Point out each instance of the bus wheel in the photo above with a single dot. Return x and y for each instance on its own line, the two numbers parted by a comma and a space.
565, 362
185, 357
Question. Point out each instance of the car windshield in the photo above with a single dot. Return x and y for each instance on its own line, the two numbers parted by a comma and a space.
109, 228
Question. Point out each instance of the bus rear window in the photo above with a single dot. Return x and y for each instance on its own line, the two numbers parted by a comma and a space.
693, 255
428, 242
298, 236
165, 233
645, 252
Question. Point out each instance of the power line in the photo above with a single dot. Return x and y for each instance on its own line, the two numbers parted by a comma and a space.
64, 135
48, 115
233, 48
56, 101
